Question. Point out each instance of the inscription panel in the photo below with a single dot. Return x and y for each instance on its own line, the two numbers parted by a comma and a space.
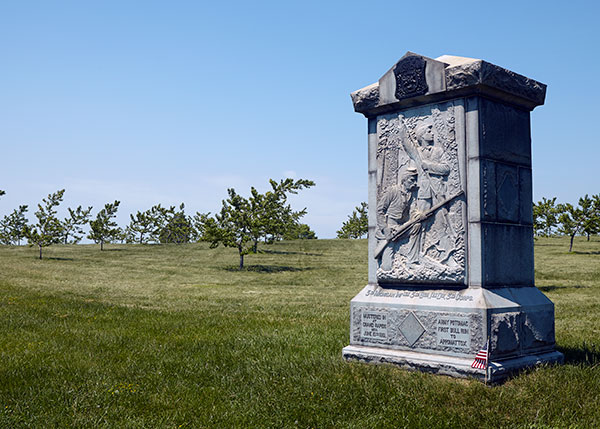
374, 325
454, 332
457, 333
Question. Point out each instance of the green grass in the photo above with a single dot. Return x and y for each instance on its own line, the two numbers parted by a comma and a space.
175, 336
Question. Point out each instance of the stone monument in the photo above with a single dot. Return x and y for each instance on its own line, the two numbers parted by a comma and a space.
450, 222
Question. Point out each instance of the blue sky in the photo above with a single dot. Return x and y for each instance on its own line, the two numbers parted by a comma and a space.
154, 102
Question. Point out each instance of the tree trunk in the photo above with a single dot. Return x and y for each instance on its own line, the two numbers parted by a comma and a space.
241, 258
571, 245
101, 244
40, 246
588, 236
255, 248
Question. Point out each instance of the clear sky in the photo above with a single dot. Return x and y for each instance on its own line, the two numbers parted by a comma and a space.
166, 102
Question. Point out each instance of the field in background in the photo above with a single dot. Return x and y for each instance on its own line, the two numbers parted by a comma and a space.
175, 336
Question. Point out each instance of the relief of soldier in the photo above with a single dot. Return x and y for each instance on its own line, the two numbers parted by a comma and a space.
412, 217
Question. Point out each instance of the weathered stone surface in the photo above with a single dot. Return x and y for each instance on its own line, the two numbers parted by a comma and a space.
450, 221
416, 76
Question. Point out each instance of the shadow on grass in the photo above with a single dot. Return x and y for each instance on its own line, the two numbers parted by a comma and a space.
52, 258
112, 250
588, 354
283, 252
585, 253
553, 287
266, 268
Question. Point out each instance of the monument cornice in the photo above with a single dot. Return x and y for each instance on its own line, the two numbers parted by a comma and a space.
456, 77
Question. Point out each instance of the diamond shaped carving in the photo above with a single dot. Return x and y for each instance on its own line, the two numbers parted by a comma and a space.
411, 328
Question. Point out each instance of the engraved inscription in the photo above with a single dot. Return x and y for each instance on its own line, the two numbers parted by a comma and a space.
374, 325
454, 332
420, 201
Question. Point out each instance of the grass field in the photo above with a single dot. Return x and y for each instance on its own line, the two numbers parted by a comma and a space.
175, 336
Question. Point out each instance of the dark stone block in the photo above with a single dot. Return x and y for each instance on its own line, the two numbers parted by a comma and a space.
507, 254
505, 133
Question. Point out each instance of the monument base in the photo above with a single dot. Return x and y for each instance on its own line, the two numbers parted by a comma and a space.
448, 365
441, 330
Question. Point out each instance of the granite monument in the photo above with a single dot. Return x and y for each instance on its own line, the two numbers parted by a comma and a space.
450, 222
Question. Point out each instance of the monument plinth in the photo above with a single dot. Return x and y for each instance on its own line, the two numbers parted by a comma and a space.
451, 270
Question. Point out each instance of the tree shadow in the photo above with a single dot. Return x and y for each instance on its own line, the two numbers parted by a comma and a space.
283, 252
585, 253
54, 258
588, 354
266, 268
554, 287
112, 250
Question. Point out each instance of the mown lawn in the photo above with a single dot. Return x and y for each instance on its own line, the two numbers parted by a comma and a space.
175, 336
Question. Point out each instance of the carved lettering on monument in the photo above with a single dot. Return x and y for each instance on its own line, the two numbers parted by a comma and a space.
420, 228
374, 325
453, 332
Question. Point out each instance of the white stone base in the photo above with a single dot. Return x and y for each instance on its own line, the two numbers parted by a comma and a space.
448, 365
441, 331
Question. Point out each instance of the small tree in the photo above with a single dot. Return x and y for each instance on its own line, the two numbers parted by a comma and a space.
232, 226
178, 227
73, 225
571, 221
545, 217
103, 228
300, 231
590, 214
12, 227
140, 227
2, 192
357, 224
48, 229
277, 217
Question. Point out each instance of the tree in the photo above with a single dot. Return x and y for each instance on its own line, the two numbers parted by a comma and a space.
12, 227
231, 227
357, 224
300, 231
242, 222
140, 228
545, 217
103, 228
2, 192
275, 217
73, 225
48, 229
571, 221
591, 215
178, 227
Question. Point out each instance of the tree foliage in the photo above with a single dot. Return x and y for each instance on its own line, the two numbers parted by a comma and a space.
299, 231
232, 226
13, 226
242, 222
545, 217
590, 211
140, 228
104, 229
48, 229
72, 226
176, 227
357, 224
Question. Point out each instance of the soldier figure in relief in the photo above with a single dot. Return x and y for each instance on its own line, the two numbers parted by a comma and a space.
432, 189
393, 210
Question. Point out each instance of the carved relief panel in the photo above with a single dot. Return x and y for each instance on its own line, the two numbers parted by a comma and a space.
420, 234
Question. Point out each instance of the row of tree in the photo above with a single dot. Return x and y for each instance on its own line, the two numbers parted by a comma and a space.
241, 222
550, 218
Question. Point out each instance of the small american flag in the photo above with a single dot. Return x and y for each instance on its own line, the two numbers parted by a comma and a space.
481, 358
